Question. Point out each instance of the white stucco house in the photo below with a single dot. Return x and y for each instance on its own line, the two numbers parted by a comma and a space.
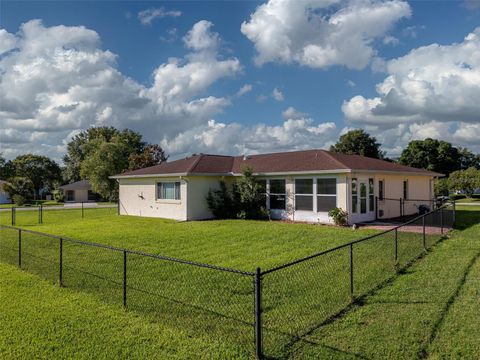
4, 197
300, 185
80, 191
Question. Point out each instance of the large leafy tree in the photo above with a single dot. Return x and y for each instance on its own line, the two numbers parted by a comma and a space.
40, 170
468, 159
431, 154
358, 142
151, 155
105, 159
464, 180
84, 143
6, 168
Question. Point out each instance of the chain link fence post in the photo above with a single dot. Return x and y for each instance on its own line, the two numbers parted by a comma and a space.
124, 278
60, 263
396, 246
19, 248
351, 273
258, 314
441, 220
424, 237
13, 216
454, 212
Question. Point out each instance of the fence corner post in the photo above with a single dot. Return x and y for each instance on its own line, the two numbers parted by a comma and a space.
258, 314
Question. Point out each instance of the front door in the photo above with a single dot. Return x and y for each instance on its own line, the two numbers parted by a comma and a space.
364, 209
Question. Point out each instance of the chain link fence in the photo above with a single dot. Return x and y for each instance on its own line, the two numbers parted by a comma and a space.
265, 313
27, 216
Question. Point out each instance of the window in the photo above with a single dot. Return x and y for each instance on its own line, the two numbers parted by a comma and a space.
405, 189
363, 197
262, 191
326, 194
381, 189
277, 194
371, 196
354, 195
304, 194
168, 190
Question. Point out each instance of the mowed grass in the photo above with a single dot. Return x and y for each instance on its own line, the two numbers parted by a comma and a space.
239, 244
41, 321
430, 311
202, 301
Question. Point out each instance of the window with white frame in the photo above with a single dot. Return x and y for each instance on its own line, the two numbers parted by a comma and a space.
371, 195
326, 194
354, 195
277, 194
168, 190
262, 191
304, 194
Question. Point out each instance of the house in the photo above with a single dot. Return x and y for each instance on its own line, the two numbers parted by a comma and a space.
4, 197
299, 185
80, 191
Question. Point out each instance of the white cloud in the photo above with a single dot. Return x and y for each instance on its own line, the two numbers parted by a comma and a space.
293, 134
200, 37
7, 41
292, 113
321, 33
277, 95
170, 36
390, 40
59, 80
244, 90
432, 91
147, 16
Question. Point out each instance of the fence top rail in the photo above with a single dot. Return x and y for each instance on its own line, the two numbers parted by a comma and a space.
351, 243
134, 252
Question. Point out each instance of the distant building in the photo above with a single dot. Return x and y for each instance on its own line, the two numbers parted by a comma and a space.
80, 191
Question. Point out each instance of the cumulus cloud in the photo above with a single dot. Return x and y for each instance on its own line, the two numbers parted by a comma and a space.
245, 89
59, 80
297, 133
147, 16
432, 91
319, 33
277, 95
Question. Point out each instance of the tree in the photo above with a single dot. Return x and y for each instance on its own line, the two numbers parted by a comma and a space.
6, 168
431, 154
464, 180
19, 187
107, 159
40, 170
83, 144
441, 187
152, 155
468, 159
358, 142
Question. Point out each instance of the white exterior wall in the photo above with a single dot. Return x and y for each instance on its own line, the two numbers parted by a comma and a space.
197, 191
138, 197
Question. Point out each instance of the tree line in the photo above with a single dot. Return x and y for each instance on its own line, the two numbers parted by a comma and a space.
94, 154
100, 152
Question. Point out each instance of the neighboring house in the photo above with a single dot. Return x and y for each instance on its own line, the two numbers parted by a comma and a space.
300, 185
4, 197
80, 191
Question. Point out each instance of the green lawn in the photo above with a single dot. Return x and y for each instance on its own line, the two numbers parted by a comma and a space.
193, 300
468, 200
41, 321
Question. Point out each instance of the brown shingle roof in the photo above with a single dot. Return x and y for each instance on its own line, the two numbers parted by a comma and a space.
79, 185
294, 161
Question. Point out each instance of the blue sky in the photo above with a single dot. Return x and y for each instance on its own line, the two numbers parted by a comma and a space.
316, 92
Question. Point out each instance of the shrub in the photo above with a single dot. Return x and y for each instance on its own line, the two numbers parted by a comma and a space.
57, 195
18, 200
242, 201
339, 216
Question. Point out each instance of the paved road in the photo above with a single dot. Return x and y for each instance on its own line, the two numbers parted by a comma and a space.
64, 207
